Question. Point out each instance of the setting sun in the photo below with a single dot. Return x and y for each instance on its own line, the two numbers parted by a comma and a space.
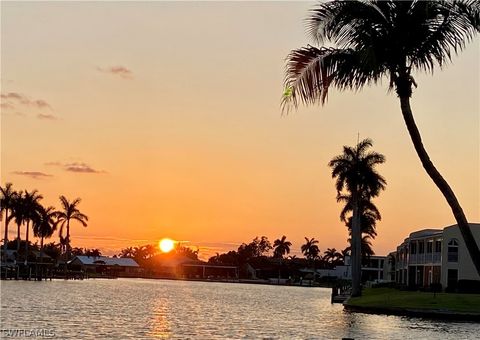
166, 245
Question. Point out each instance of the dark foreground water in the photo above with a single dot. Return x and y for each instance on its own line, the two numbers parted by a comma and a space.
148, 309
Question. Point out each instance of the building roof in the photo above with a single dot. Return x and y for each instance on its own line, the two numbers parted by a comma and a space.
105, 260
425, 233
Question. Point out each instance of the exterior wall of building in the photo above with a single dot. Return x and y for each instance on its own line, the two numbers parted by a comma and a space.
457, 263
434, 256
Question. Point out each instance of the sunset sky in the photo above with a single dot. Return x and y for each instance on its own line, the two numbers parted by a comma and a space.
164, 117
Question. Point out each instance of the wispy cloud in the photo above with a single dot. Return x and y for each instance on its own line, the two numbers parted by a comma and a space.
53, 164
32, 174
6, 106
18, 98
46, 116
82, 168
78, 167
120, 71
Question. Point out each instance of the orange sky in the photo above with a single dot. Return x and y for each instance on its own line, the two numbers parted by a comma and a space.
165, 119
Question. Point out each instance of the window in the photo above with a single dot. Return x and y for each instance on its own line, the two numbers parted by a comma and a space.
429, 247
421, 247
452, 255
438, 246
413, 248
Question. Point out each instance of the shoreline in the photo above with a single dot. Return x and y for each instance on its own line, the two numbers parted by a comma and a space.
417, 313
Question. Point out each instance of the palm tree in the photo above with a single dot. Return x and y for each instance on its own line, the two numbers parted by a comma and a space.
377, 39
368, 221
366, 248
44, 226
310, 248
281, 247
32, 211
70, 212
355, 172
332, 256
19, 214
128, 252
6, 205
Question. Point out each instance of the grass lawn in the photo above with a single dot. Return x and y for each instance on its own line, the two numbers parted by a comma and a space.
392, 298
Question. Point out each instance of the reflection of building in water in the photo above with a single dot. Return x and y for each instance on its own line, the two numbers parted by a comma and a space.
434, 256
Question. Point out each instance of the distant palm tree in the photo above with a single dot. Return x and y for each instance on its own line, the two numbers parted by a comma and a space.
6, 205
19, 214
44, 226
355, 173
310, 248
281, 247
128, 252
373, 40
31, 201
332, 256
70, 212
94, 252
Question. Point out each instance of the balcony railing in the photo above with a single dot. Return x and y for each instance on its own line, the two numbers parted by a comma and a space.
425, 258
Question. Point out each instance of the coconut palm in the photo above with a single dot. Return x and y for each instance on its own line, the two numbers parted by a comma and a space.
44, 226
373, 40
355, 173
310, 248
69, 212
281, 247
31, 202
6, 206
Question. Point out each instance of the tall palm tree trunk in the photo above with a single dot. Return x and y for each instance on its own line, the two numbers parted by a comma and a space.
440, 182
356, 249
41, 261
5, 238
68, 240
18, 238
26, 242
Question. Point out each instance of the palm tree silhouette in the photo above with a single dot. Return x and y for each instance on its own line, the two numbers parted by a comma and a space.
127, 252
44, 226
6, 205
378, 39
366, 247
281, 247
332, 256
310, 248
70, 212
19, 214
368, 221
32, 209
355, 172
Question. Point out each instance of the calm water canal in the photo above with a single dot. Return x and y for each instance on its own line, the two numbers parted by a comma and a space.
149, 309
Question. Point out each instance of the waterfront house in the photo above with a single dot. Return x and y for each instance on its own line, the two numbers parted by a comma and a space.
432, 256
104, 265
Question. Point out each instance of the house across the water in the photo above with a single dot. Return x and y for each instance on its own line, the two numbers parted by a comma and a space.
105, 266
